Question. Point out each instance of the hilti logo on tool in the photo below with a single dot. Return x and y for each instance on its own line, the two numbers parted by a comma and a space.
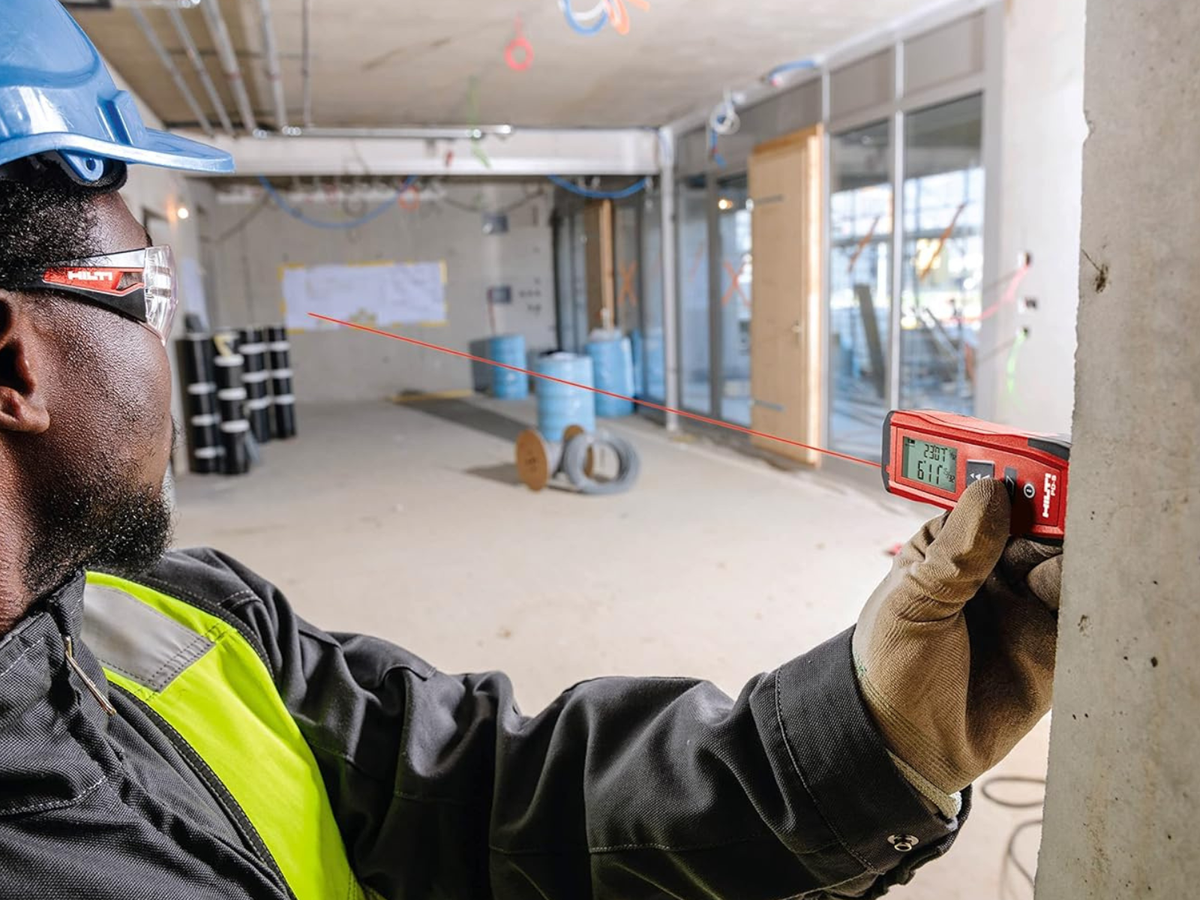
1049, 489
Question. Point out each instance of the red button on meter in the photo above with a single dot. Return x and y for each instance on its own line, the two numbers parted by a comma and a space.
932, 457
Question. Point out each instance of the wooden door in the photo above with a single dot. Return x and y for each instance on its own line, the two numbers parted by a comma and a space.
785, 330
598, 226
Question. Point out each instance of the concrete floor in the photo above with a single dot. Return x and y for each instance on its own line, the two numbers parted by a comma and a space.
407, 522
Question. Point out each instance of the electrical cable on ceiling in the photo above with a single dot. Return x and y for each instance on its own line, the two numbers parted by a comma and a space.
519, 52
278, 199
775, 76
724, 118
597, 16
713, 154
591, 194
722, 121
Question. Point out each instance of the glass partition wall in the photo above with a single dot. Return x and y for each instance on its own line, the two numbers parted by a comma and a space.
904, 241
940, 302
860, 286
694, 319
905, 333
736, 277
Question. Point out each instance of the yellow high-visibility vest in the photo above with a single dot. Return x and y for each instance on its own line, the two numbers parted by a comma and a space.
200, 675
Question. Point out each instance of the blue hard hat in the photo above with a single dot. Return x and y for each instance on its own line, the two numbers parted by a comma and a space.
57, 99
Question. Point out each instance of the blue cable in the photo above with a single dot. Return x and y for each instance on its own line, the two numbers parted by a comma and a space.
586, 31
599, 195
370, 216
712, 149
798, 65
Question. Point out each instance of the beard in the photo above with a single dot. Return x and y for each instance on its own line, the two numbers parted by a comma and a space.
99, 518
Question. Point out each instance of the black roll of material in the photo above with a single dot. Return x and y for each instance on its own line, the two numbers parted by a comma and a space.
204, 443
283, 401
227, 370
278, 347
237, 453
231, 404
258, 412
202, 399
207, 460
285, 416
253, 348
195, 353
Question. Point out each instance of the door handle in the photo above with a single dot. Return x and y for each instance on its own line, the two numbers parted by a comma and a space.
798, 330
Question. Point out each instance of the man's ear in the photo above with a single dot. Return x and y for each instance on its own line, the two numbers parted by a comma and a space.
22, 401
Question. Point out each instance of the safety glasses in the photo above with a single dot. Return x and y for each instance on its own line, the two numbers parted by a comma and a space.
139, 284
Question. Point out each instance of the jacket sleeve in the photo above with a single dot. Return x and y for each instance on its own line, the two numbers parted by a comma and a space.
623, 788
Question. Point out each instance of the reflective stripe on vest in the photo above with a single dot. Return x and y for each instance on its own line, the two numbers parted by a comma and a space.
202, 676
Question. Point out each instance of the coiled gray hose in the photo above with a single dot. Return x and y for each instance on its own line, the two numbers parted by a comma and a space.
574, 463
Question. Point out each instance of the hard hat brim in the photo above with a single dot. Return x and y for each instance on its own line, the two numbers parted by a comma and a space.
155, 148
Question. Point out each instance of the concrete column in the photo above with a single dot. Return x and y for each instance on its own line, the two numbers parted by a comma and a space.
1125, 743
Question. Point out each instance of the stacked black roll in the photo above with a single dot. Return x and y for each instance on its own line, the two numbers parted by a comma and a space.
228, 368
253, 350
283, 400
205, 452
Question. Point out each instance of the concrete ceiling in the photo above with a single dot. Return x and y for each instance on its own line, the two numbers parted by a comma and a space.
381, 63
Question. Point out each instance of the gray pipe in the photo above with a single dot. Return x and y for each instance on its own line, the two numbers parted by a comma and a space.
271, 59
193, 55
172, 69
306, 64
415, 133
229, 63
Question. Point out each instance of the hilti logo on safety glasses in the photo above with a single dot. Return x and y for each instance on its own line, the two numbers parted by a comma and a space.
1049, 489
106, 280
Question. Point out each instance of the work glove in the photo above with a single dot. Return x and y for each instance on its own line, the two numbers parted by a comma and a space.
955, 649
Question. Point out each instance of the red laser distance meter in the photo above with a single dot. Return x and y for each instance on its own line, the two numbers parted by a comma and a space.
934, 456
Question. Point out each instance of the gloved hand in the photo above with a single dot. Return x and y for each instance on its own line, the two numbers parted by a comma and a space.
955, 649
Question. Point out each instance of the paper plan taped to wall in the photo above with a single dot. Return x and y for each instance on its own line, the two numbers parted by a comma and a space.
376, 294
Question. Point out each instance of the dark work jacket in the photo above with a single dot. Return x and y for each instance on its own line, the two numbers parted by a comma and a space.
622, 788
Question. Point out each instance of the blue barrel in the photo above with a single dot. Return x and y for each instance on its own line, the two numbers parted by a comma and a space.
510, 350
639, 370
613, 361
560, 406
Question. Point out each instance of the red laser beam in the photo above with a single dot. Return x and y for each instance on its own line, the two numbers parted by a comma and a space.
1010, 294
646, 403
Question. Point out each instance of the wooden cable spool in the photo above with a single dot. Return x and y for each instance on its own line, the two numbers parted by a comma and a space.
538, 460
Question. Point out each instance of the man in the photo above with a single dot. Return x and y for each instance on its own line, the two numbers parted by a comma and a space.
170, 729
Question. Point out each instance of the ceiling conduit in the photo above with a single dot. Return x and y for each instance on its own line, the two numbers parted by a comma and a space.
172, 69
229, 63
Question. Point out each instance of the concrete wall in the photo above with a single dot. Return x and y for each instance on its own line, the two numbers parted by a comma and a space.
1125, 744
345, 365
1041, 134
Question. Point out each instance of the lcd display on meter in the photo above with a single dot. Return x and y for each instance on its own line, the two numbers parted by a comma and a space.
930, 464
